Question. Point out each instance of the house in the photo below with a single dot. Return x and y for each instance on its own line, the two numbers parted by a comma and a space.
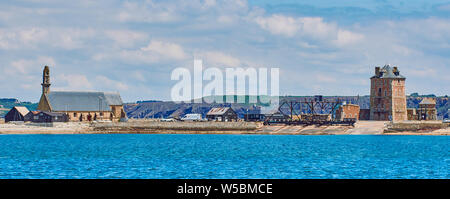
426, 111
46, 117
17, 113
253, 116
276, 117
30, 116
347, 111
81, 105
224, 114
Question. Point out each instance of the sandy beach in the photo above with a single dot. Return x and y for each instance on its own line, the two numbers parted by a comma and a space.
155, 127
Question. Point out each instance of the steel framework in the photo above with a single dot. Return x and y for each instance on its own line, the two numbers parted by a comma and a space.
309, 111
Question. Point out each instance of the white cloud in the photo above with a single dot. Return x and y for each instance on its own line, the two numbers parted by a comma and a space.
279, 25
32, 35
345, 37
126, 38
71, 82
321, 78
225, 19
138, 75
224, 33
445, 7
70, 38
36, 37
14, 39
24, 66
308, 28
176, 11
155, 51
6, 40
166, 49
113, 85
218, 59
147, 12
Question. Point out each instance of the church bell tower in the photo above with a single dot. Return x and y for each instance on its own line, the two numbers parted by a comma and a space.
44, 104
46, 81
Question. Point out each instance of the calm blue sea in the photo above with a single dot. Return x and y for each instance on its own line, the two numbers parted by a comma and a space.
223, 156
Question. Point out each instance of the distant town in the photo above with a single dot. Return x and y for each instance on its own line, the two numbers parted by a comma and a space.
387, 102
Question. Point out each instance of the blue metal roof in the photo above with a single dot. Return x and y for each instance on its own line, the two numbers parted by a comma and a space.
83, 101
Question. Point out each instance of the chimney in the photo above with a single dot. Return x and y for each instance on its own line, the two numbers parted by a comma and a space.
377, 71
396, 71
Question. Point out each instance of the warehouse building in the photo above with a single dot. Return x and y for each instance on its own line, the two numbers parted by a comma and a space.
224, 114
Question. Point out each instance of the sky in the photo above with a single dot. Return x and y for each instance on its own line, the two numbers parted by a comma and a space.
321, 47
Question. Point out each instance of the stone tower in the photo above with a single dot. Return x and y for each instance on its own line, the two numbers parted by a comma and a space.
387, 95
44, 104
46, 80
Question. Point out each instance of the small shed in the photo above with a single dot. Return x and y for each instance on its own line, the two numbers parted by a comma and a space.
46, 117
224, 114
17, 113
276, 117
31, 116
348, 111
253, 116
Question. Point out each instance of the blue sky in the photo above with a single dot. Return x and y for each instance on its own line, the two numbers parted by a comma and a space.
321, 47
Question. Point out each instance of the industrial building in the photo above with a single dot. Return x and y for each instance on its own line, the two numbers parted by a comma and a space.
80, 105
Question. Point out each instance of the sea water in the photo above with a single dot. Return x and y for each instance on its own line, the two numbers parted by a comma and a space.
223, 156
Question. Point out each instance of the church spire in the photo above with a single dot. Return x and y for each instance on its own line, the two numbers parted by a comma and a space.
46, 80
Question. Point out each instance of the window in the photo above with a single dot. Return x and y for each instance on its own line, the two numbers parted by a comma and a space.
74, 114
379, 91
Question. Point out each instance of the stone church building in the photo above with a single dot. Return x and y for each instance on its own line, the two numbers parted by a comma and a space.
387, 95
81, 105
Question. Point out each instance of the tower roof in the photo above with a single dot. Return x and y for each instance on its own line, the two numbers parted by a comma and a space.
389, 72
428, 101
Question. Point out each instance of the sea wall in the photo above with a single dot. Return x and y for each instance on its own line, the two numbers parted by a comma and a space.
415, 126
148, 126
158, 127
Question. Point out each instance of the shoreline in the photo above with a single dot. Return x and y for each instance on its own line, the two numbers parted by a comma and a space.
234, 128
